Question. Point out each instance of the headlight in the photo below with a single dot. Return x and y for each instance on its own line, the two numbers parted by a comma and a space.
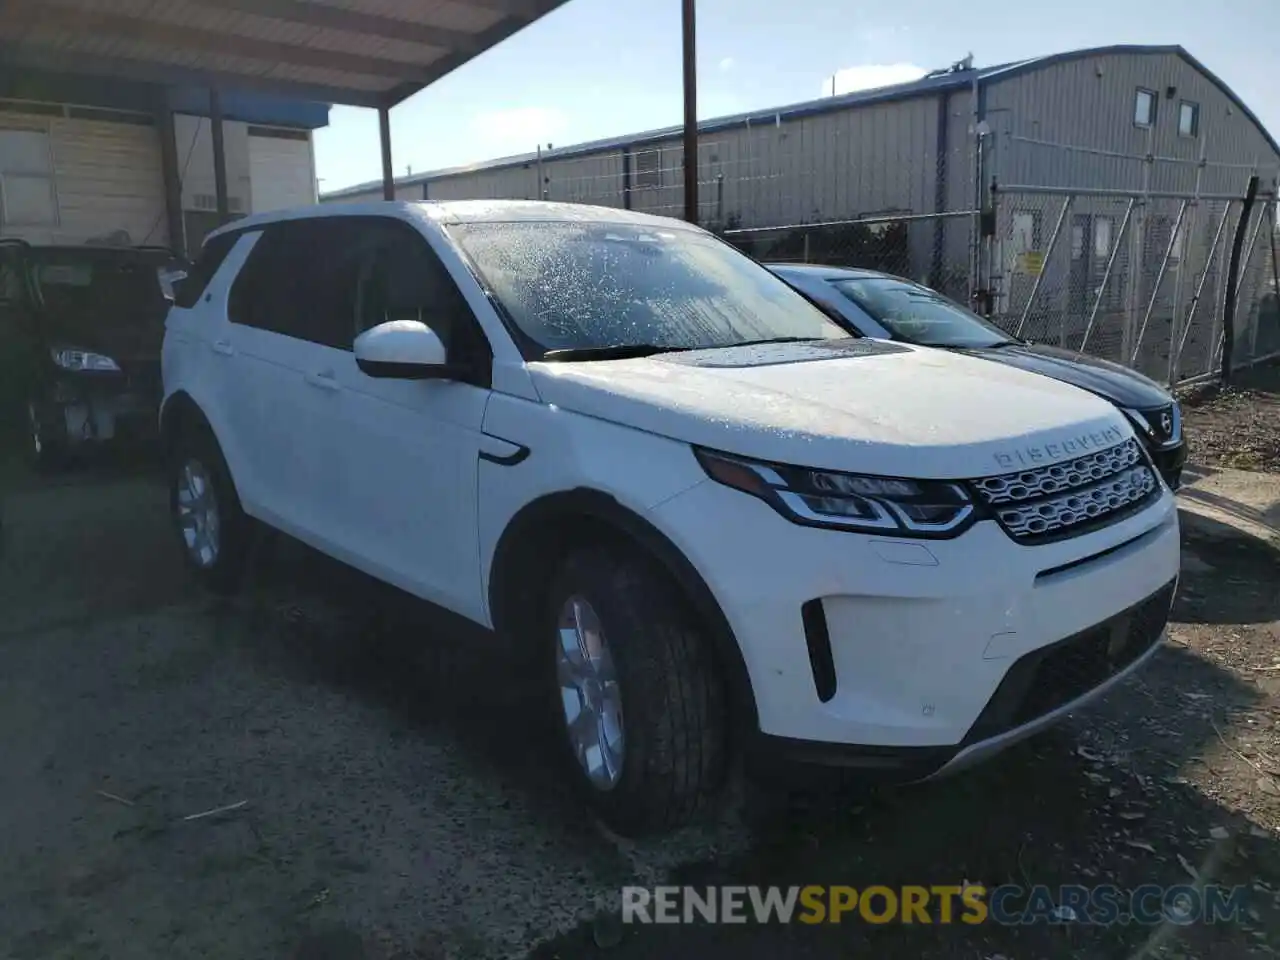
824, 498
84, 360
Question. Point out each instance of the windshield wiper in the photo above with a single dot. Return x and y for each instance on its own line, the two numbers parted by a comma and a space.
764, 340
620, 351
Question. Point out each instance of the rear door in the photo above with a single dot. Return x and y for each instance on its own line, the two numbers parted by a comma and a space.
290, 308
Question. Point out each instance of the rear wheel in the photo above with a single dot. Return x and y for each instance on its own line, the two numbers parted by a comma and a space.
640, 702
212, 529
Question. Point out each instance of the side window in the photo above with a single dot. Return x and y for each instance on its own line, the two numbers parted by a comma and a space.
299, 281
188, 291
401, 278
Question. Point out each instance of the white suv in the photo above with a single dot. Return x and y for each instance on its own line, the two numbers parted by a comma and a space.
701, 509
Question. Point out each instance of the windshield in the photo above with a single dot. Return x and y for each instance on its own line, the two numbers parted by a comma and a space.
917, 314
575, 286
77, 286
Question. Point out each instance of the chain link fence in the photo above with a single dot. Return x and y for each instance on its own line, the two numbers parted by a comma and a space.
921, 247
1140, 279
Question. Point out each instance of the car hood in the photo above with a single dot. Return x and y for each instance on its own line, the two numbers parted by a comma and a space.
1121, 385
859, 405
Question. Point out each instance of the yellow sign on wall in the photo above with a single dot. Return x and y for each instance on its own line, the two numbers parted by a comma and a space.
1031, 262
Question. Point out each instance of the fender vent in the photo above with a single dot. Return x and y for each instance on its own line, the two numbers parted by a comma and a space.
818, 640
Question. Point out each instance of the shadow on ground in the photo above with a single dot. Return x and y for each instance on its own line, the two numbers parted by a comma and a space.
1227, 576
1108, 798
1101, 800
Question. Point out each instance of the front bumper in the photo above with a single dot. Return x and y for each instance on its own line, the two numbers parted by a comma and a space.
926, 638
101, 407
1170, 461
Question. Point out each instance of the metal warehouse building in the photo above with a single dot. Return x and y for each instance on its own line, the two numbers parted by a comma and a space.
911, 147
1086, 198
123, 162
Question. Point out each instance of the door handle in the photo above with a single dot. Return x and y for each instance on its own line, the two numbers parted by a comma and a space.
324, 380
223, 347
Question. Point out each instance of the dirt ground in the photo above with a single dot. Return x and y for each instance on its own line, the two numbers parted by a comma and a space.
1237, 426
378, 789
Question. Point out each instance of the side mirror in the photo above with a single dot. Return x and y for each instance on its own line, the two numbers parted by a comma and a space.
403, 350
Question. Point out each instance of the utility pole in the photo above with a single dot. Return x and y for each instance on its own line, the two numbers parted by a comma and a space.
690, 113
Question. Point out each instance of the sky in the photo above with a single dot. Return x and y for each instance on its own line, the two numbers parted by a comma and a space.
603, 68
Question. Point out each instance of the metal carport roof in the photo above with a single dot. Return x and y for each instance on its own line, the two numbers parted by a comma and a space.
371, 53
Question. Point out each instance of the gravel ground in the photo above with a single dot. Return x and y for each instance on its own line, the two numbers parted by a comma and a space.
394, 801
1238, 426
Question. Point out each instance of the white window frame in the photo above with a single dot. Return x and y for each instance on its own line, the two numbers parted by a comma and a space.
648, 175
1194, 108
20, 173
1154, 99
1103, 227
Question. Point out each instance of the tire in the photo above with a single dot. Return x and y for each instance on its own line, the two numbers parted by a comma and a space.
215, 546
671, 726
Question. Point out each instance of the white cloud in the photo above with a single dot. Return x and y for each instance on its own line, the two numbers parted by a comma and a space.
871, 75
726, 64
519, 130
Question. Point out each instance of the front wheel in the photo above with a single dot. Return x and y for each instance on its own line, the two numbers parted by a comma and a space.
640, 701
212, 529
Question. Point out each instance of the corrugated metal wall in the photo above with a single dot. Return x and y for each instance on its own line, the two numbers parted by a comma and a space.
107, 178
281, 170
194, 138
1090, 102
887, 157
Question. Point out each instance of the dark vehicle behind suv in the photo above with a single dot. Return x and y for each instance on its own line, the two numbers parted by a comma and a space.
80, 335
873, 304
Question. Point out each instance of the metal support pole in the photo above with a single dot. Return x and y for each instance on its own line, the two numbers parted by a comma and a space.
1160, 275
1233, 280
1221, 285
384, 136
1244, 268
223, 203
690, 112
626, 178
1106, 274
172, 177
1199, 292
976, 172
1048, 258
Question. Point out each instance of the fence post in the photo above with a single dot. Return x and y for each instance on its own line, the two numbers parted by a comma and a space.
1233, 279
1195, 299
1048, 258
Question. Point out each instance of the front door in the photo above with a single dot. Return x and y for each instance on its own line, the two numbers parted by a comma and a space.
406, 477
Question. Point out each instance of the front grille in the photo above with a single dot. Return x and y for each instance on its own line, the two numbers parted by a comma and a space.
1051, 677
1066, 499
